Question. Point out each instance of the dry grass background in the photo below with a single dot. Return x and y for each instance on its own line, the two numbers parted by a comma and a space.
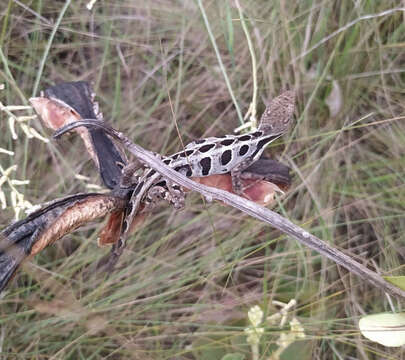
185, 283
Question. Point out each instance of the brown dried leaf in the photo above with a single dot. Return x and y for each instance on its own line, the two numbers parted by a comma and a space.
110, 233
56, 114
260, 191
75, 216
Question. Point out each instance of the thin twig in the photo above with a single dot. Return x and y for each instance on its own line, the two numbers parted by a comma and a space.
248, 207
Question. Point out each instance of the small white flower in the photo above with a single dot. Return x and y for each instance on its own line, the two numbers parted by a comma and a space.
255, 315
254, 332
297, 328
284, 340
253, 335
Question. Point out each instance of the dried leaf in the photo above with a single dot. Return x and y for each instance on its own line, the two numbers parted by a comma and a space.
260, 191
56, 114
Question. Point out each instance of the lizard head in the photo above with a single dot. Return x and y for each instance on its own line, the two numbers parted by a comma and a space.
277, 116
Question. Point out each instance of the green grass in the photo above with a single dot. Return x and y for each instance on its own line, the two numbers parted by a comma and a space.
187, 280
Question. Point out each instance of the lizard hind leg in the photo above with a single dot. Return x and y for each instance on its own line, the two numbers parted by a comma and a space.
177, 195
171, 193
154, 195
129, 177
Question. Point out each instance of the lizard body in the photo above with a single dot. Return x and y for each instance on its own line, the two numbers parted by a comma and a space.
205, 157
210, 156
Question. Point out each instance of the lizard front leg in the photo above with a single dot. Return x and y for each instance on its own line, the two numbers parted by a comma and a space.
236, 174
128, 177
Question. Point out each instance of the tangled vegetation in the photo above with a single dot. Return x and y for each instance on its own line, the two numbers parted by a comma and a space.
208, 282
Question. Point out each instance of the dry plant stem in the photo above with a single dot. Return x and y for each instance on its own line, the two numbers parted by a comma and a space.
248, 207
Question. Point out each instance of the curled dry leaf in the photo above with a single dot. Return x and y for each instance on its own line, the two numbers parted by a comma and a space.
56, 114
260, 191
110, 233
75, 216
112, 230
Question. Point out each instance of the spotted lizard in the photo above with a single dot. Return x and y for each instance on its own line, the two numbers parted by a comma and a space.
204, 157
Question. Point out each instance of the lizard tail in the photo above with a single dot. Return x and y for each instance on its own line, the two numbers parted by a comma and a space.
89, 123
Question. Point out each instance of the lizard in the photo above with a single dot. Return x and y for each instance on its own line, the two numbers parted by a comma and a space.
204, 157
